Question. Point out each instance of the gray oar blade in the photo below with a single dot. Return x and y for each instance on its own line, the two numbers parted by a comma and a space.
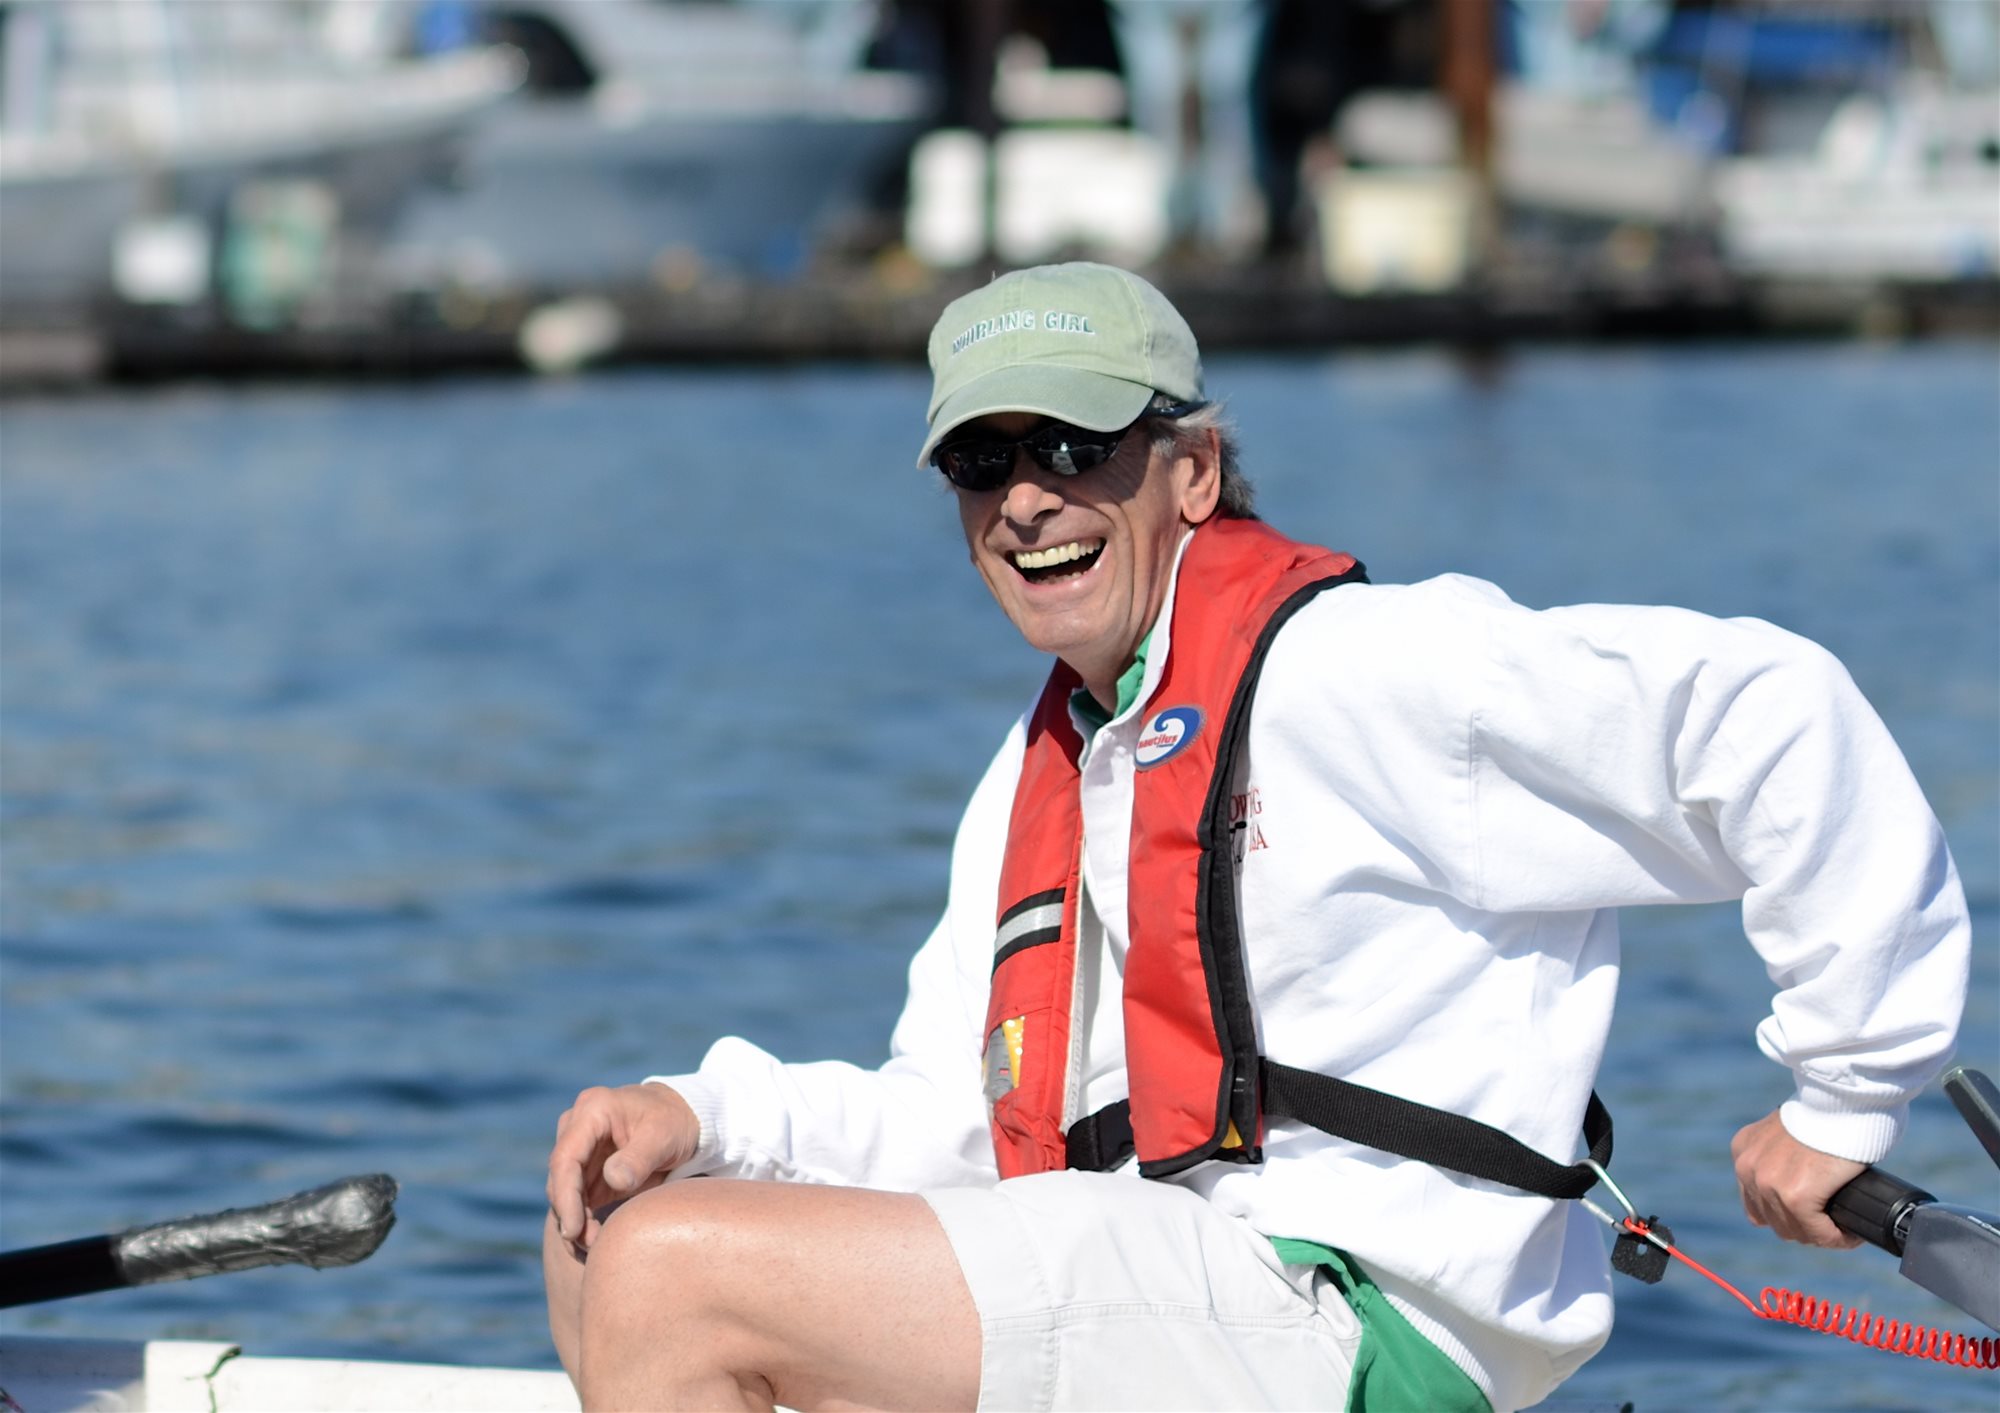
335, 1225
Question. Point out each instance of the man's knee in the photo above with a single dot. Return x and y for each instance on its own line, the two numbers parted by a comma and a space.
562, 1281
665, 1285
559, 1259
665, 1258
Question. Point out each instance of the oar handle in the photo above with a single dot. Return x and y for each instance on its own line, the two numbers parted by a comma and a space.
1876, 1207
335, 1225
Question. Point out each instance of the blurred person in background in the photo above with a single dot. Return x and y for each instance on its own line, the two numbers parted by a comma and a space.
1284, 879
1188, 66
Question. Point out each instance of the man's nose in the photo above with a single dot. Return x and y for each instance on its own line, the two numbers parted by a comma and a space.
1032, 493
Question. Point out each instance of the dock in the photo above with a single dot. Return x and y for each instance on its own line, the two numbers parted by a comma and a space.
883, 313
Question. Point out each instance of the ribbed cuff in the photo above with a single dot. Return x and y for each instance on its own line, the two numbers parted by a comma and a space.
1834, 1122
705, 1098
1443, 1338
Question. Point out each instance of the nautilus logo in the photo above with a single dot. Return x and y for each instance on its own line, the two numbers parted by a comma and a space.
1167, 735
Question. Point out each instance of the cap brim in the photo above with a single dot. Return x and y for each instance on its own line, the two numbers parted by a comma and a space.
1082, 398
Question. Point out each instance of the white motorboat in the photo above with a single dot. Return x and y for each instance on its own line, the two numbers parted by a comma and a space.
1904, 185
664, 141
154, 114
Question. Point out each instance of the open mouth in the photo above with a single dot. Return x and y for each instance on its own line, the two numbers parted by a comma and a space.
1045, 566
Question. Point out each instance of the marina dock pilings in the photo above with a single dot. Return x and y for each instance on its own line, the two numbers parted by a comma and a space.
869, 315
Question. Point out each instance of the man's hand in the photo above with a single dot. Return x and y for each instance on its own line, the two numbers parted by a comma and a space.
612, 1144
1786, 1185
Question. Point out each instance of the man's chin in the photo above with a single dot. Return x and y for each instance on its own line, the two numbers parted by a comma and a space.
1080, 648
1071, 625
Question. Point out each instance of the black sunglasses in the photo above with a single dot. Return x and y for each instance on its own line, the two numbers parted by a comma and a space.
981, 464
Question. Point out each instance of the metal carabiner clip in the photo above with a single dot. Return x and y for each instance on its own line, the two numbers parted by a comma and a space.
1643, 1247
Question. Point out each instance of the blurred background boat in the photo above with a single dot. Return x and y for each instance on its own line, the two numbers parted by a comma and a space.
1852, 141
662, 140
145, 144
1899, 184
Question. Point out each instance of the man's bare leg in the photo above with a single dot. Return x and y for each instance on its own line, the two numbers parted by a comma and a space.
722, 1294
562, 1282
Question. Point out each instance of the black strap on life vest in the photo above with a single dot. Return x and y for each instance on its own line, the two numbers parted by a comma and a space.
1444, 1140
1103, 1140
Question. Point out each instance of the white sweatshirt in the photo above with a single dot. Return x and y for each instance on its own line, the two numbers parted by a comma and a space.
1448, 796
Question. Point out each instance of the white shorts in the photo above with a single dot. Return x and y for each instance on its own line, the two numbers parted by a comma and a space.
1105, 1290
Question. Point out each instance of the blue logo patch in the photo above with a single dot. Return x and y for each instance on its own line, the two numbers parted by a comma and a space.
1167, 735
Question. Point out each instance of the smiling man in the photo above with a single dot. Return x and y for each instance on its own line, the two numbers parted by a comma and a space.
1250, 1064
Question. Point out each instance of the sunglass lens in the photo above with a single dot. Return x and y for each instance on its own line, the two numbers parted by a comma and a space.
980, 465
1087, 455
1068, 450
975, 465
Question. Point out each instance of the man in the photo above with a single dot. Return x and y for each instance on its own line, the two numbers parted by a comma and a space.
1269, 828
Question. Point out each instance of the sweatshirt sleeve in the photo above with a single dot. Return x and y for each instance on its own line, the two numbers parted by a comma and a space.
917, 1121
1632, 755
1605, 756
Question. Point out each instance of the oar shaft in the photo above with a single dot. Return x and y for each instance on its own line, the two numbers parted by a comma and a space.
59, 1271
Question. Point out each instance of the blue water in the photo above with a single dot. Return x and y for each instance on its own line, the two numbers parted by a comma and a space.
382, 764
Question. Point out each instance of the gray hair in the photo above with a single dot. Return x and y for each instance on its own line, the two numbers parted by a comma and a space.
1188, 434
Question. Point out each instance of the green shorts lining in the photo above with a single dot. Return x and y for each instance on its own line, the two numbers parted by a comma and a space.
1396, 1370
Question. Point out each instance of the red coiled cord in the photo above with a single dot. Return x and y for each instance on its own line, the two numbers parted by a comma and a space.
1916, 1341
1826, 1317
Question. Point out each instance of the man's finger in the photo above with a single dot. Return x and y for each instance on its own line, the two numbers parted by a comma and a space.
565, 1192
570, 1163
1818, 1229
1786, 1185
642, 1157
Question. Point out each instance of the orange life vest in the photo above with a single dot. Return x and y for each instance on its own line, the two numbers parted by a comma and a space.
1190, 1041
1199, 1088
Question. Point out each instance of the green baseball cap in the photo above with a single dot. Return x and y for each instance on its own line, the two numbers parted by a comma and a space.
1085, 344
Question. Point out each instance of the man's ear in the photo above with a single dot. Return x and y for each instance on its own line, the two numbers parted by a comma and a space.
1203, 489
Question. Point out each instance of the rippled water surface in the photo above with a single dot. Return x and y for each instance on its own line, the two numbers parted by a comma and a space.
383, 764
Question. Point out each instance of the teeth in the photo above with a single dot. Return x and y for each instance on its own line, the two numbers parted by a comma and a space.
1056, 554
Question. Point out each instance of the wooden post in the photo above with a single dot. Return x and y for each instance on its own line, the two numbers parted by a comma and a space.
986, 26
1466, 72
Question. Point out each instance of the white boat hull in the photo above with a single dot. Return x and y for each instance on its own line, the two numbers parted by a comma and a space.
189, 1376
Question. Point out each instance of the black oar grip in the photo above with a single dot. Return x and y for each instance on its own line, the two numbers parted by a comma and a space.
1876, 1207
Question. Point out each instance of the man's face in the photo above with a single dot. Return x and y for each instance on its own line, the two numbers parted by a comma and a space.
1080, 563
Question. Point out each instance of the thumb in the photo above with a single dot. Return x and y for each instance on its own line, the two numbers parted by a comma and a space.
654, 1138
628, 1168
